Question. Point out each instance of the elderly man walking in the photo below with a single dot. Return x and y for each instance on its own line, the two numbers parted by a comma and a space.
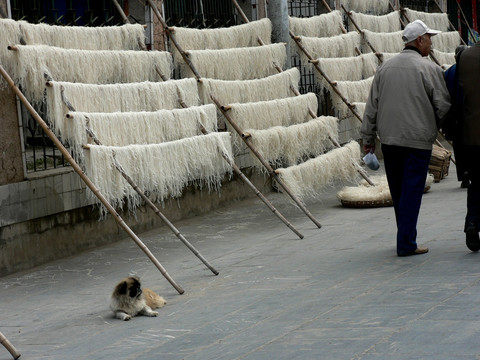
407, 102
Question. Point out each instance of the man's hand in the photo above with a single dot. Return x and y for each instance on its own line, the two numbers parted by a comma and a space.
369, 148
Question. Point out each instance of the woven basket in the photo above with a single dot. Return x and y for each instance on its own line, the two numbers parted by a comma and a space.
439, 163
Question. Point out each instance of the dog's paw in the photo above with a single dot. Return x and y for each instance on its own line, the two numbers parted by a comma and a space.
126, 318
154, 313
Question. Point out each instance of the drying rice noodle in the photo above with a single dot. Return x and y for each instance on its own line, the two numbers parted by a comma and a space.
128, 128
145, 96
163, 170
124, 37
242, 91
444, 58
446, 41
324, 25
11, 35
437, 21
376, 23
383, 42
335, 46
236, 64
353, 91
244, 35
376, 7
352, 68
86, 66
307, 180
387, 56
378, 195
288, 145
266, 114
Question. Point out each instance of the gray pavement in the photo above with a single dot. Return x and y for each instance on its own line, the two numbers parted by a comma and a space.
340, 293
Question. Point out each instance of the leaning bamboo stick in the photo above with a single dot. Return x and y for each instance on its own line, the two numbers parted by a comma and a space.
265, 163
151, 204
86, 180
171, 36
8, 345
361, 32
192, 67
242, 176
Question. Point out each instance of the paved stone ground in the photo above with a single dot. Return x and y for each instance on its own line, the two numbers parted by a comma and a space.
340, 293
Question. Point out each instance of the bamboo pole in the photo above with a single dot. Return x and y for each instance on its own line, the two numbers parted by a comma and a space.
86, 180
361, 32
121, 12
8, 345
151, 204
265, 163
170, 34
242, 176
192, 67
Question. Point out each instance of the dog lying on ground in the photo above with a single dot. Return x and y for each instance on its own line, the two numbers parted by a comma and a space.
129, 300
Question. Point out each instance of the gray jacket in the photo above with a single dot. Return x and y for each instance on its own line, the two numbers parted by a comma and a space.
407, 102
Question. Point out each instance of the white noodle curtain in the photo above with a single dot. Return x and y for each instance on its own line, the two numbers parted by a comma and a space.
244, 35
437, 21
86, 66
145, 96
289, 145
309, 179
353, 91
375, 7
266, 114
446, 41
383, 42
324, 25
336, 46
127, 128
376, 23
242, 91
244, 63
161, 169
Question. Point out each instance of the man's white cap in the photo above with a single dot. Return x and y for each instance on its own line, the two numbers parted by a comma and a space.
415, 29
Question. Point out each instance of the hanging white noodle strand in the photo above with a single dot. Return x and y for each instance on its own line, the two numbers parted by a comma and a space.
236, 64
11, 35
323, 25
289, 145
335, 46
375, 7
383, 42
128, 128
444, 58
353, 91
307, 180
352, 68
266, 114
446, 41
376, 23
242, 91
86, 66
145, 96
437, 21
161, 169
244, 35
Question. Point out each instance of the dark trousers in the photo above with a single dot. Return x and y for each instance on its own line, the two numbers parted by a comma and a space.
406, 170
472, 156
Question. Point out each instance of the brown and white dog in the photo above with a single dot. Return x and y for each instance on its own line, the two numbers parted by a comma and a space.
129, 299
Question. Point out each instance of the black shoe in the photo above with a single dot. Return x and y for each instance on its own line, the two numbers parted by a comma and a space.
473, 240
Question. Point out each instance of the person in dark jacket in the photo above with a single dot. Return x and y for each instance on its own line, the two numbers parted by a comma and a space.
407, 102
452, 126
469, 77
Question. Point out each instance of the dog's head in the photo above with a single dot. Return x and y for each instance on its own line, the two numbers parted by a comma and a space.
128, 287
